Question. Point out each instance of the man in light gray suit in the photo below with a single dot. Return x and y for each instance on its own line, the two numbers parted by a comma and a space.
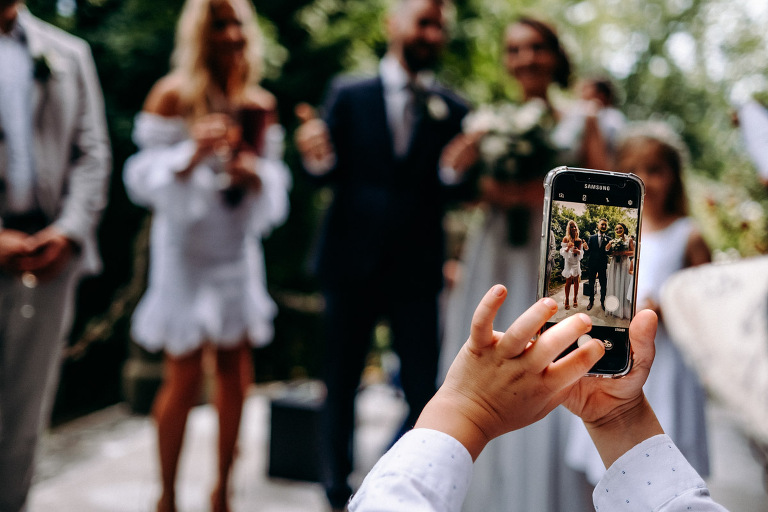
54, 168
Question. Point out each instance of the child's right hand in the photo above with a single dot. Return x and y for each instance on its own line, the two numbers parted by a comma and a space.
503, 381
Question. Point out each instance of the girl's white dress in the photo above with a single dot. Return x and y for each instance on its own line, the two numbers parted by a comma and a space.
672, 388
618, 285
571, 261
206, 273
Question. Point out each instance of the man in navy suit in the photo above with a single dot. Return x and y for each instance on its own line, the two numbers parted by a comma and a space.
381, 250
598, 262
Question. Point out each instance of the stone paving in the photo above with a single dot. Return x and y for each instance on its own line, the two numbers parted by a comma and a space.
105, 462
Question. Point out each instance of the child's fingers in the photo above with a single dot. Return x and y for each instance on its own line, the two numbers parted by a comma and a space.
569, 369
555, 340
522, 331
481, 331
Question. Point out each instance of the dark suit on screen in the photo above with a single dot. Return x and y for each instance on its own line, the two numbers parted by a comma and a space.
597, 265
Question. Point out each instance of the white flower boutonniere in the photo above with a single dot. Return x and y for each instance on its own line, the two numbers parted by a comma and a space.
437, 108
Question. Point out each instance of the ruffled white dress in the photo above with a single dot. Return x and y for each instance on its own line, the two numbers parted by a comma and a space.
618, 287
206, 273
571, 261
672, 388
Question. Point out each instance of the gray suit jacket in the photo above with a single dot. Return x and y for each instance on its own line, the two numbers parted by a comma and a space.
71, 146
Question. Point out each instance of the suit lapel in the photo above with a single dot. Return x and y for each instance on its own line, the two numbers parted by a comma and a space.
37, 48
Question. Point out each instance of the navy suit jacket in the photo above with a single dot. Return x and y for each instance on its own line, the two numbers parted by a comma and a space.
598, 257
384, 225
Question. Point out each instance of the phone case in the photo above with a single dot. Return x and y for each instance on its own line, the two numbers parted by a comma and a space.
594, 183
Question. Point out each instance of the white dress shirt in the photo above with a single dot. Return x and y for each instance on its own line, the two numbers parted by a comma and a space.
16, 119
429, 471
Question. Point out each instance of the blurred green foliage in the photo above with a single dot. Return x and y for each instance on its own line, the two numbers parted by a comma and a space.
685, 61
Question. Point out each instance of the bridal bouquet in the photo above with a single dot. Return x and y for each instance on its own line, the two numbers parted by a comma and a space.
619, 245
515, 145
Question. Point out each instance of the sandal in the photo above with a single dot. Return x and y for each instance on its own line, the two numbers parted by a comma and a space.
567, 306
575, 304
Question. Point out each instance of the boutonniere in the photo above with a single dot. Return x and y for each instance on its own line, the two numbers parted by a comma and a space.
437, 108
42, 69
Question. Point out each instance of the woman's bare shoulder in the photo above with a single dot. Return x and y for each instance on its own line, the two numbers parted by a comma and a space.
164, 98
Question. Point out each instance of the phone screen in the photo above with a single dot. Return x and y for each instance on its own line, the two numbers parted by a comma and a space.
590, 244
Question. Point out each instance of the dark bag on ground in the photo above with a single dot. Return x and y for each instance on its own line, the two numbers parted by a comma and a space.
586, 289
294, 439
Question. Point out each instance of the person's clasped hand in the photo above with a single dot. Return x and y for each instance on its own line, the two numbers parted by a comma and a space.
503, 381
44, 254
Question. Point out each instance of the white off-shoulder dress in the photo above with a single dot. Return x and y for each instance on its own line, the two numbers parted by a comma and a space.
207, 280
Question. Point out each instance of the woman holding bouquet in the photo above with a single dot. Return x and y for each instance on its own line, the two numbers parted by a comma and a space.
619, 278
216, 184
510, 146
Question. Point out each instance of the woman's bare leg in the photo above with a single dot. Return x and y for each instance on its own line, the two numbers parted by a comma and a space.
179, 393
567, 291
575, 291
229, 397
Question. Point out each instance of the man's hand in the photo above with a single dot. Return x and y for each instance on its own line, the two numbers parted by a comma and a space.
13, 245
47, 253
501, 382
462, 152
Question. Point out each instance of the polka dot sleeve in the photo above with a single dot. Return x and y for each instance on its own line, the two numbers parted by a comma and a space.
653, 476
426, 471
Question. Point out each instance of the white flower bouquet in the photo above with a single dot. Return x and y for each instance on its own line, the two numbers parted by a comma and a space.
515, 145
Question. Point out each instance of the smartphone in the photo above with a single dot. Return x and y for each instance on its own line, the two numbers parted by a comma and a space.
590, 242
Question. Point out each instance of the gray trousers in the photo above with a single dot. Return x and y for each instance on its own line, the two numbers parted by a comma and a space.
34, 323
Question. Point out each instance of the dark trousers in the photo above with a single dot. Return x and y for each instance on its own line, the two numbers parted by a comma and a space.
350, 320
601, 273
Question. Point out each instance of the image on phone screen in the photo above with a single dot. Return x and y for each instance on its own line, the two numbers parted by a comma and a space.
591, 236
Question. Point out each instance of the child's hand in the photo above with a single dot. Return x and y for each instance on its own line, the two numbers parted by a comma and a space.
501, 382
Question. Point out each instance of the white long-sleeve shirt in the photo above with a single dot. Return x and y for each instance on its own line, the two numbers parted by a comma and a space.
429, 471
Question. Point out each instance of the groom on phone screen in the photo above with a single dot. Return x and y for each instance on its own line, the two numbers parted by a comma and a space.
381, 249
598, 262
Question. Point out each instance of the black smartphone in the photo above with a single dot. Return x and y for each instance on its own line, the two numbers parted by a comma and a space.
590, 242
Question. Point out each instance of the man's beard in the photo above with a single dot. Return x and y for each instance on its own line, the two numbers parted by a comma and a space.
418, 61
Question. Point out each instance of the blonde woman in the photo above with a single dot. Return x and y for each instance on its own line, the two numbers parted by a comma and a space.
210, 170
572, 252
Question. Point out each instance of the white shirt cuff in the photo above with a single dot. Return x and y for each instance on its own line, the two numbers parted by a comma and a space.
425, 470
653, 475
